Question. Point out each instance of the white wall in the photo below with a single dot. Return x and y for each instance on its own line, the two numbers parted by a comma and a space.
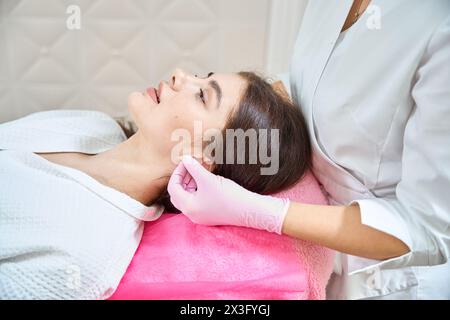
284, 21
127, 45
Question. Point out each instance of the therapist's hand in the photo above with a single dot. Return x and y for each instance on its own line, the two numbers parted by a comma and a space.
210, 199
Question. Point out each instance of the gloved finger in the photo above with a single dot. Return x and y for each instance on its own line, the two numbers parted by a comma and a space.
189, 184
179, 175
199, 173
179, 196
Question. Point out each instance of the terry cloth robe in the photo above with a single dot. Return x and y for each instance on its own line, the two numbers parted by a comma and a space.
63, 234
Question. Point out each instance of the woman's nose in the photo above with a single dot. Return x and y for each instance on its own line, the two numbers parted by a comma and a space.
178, 78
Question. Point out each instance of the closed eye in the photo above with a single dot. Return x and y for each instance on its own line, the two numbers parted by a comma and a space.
202, 96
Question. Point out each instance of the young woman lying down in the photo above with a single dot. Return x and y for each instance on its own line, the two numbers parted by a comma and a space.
75, 190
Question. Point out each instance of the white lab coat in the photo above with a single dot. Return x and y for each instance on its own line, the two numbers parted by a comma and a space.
377, 102
63, 235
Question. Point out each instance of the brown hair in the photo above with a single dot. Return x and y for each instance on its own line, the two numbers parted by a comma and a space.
263, 107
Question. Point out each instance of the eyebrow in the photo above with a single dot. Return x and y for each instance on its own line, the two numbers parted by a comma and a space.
215, 85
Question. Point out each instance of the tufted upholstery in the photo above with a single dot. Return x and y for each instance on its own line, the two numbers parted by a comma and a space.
122, 46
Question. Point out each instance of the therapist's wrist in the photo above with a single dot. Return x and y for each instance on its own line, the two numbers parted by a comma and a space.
266, 213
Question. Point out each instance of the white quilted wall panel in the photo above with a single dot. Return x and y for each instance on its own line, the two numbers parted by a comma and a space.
127, 45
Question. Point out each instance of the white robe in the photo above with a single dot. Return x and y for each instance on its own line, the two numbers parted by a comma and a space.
63, 235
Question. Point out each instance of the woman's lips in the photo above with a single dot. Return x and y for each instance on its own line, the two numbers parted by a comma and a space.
152, 93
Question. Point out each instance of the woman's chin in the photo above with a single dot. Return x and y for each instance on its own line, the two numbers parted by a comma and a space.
140, 100
139, 105
137, 98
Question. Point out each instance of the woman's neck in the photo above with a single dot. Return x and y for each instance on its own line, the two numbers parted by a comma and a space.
132, 168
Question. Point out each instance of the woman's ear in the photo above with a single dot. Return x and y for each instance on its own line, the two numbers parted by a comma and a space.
207, 164
278, 86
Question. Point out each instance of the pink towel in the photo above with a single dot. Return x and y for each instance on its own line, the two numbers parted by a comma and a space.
178, 259
318, 260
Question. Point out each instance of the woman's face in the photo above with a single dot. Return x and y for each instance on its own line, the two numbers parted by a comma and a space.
185, 101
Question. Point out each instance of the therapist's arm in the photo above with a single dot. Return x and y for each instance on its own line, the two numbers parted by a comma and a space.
340, 228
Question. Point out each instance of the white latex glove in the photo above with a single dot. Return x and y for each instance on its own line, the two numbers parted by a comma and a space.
210, 199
